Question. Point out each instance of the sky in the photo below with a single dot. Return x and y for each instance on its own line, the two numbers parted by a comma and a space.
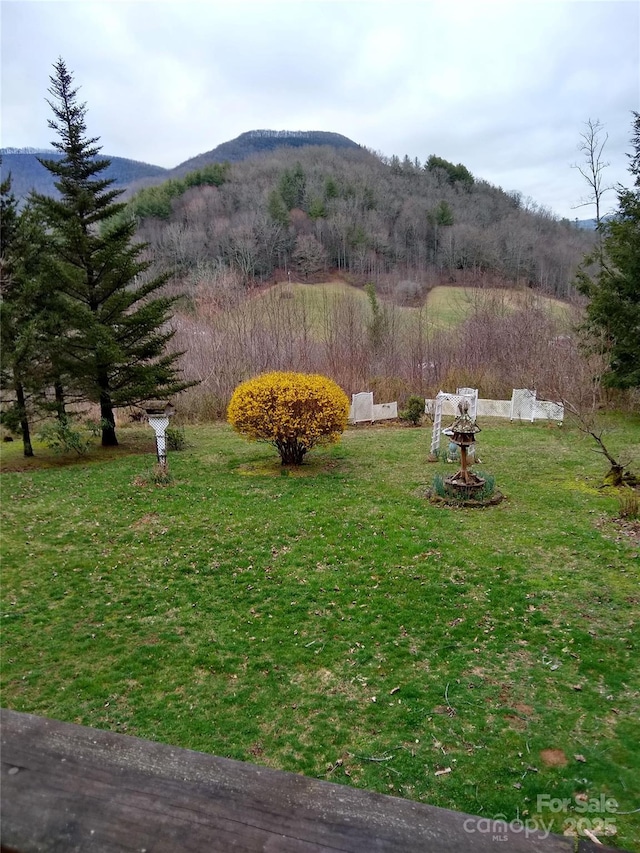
505, 88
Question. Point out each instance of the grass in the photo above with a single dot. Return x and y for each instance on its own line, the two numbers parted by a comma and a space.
446, 306
330, 621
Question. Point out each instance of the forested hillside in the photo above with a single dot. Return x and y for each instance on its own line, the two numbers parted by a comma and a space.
438, 276
399, 223
308, 202
237, 237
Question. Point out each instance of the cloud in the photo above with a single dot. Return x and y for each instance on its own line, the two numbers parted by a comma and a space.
503, 87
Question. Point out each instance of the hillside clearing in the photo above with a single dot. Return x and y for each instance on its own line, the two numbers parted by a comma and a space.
445, 306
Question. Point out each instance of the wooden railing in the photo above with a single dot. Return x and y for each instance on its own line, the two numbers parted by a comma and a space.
69, 788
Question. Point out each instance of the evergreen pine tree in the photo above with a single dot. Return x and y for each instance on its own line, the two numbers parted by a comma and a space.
613, 312
8, 222
32, 322
115, 347
15, 415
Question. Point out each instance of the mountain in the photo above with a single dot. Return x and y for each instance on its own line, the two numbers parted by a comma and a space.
590, 224
312, 210
261, 141
27, 173
311, 202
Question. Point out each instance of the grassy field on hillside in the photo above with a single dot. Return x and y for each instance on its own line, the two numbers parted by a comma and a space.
450, 306
445, 306
331, 621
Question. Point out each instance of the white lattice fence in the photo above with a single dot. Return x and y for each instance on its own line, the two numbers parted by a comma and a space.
494, 408
385, 411
364, 410
523, 405
548, 410
542, 409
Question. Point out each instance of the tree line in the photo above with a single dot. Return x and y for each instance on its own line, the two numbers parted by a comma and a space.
610, 275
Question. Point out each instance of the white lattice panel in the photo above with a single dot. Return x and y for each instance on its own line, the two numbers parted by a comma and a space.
361, 407
547, 410
522, 404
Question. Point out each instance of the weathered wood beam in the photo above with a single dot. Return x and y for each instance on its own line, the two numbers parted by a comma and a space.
71, 788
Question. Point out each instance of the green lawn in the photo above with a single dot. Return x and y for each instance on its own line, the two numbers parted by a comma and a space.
330, 621
445, 306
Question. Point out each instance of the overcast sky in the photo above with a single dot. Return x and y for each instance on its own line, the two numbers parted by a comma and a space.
503, 87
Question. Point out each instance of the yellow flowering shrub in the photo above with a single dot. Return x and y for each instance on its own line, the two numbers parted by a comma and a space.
292, 411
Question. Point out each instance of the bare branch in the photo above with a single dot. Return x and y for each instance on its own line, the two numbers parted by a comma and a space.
594, 139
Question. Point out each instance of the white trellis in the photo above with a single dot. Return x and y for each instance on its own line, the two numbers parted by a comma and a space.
523, 402
468, 394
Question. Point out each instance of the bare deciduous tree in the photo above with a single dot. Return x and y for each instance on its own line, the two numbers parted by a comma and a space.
592, 143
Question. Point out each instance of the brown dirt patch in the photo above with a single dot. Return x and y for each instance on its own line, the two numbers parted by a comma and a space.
553, 758
146, 520
628, 531
132, 442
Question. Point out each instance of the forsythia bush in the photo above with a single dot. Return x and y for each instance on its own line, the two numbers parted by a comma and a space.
292, 411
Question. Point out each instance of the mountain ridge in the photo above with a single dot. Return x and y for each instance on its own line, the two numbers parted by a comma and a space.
254, 142
131, 175
290, 203
28, 173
